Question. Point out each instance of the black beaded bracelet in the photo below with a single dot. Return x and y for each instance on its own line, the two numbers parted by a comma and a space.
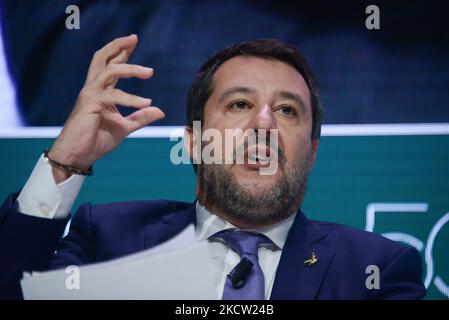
70, 169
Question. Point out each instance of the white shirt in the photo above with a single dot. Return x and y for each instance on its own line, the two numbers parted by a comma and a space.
42, 197
208, 224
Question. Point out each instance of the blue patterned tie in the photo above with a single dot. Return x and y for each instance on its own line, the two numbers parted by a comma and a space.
246, 244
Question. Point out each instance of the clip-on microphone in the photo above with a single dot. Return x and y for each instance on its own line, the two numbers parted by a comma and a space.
240, 273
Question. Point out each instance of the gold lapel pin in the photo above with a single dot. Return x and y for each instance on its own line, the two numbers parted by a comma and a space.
312, 260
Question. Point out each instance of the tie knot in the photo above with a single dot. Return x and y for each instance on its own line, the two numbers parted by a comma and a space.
243, 242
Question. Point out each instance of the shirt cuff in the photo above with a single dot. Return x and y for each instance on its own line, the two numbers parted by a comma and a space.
42, 197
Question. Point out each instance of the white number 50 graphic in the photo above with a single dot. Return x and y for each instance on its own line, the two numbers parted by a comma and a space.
371, 210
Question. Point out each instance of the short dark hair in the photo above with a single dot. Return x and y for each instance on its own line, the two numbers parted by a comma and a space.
271, 49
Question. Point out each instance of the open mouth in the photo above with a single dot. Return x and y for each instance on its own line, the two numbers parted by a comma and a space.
258, 156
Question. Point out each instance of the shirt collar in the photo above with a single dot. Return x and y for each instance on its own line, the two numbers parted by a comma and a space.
207, 224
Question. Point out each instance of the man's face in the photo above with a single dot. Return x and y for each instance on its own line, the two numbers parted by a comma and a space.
255, 93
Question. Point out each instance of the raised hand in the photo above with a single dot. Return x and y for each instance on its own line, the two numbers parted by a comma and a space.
95, 126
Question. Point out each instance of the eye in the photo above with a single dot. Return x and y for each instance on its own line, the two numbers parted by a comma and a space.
239, 105
287, 111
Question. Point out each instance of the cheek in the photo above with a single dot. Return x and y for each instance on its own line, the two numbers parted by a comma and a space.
210, 117
297, 149
217, 117
219, 122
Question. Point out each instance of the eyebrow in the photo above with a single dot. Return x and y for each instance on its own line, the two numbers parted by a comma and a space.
234, 90
294, 97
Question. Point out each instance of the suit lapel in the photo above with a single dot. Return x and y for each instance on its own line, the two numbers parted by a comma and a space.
294, 279
168, 226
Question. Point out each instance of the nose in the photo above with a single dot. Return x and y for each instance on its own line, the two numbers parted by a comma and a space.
264, 118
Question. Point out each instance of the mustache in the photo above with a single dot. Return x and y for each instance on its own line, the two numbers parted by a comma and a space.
275, 152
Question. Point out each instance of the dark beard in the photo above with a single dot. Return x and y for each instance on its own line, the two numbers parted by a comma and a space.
254, 205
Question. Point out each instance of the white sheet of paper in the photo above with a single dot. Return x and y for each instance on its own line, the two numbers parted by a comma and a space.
177, 269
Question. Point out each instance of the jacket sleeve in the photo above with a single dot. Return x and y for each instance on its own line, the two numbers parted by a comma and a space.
27, 243
78, 246
401, 279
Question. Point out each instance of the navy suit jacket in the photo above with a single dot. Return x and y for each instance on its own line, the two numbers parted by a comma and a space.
104, 232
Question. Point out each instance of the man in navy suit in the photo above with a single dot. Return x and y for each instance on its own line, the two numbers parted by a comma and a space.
247, 218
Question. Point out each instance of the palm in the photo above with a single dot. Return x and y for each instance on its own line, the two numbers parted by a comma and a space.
112, 130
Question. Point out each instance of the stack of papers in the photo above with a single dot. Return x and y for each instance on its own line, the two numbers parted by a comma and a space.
178, 269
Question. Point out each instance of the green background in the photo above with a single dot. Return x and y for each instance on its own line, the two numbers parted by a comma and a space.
350, 173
